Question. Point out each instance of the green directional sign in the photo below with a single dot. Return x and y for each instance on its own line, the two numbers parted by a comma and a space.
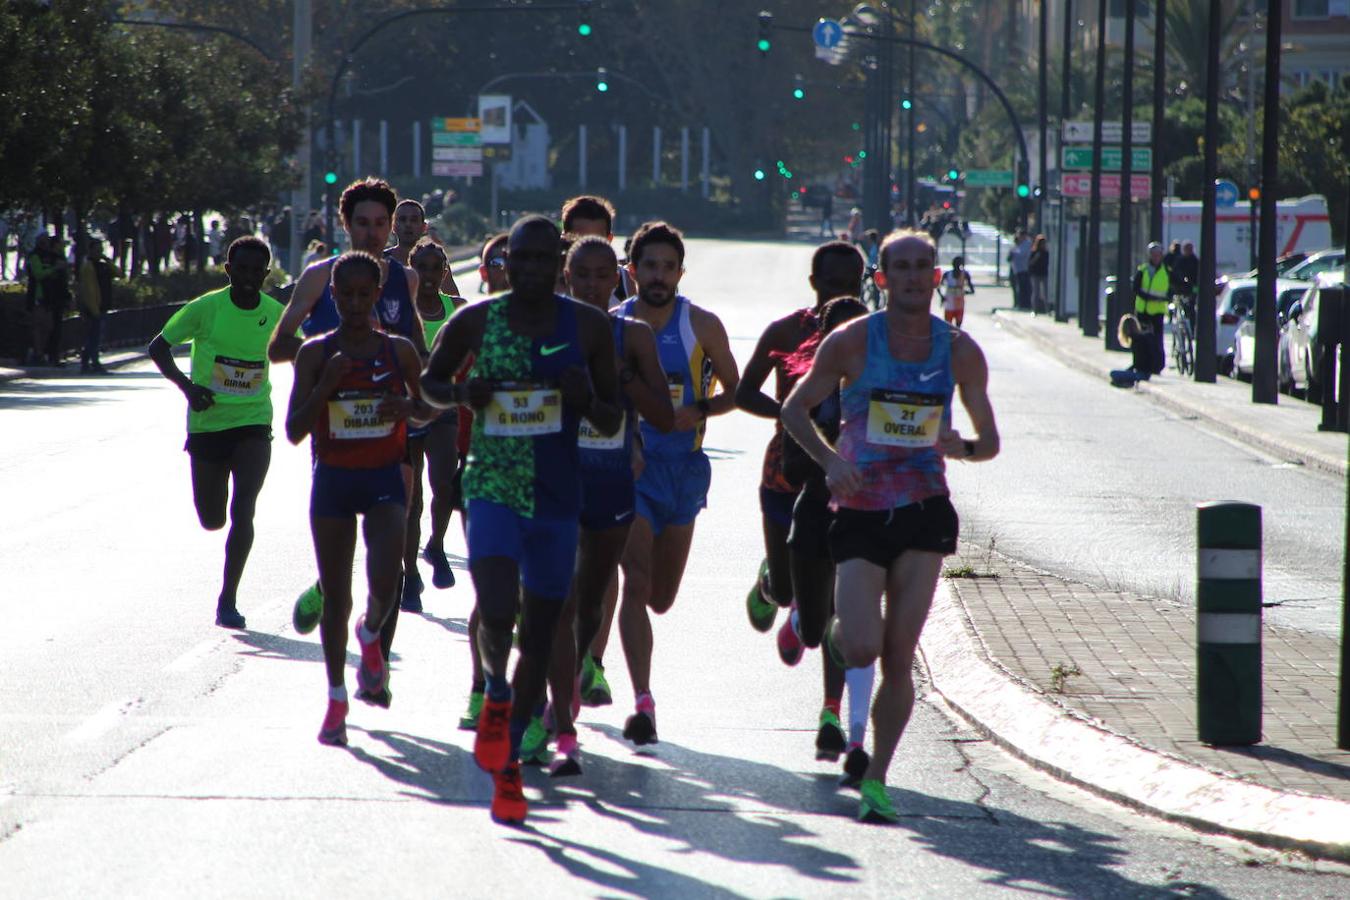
1002, 178
1080, 159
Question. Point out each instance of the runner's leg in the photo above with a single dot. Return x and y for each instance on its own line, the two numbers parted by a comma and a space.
248, 464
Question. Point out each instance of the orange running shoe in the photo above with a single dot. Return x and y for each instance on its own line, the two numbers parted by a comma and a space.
508, 797
492, 746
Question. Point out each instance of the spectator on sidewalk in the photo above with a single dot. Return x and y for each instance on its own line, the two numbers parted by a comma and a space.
1038, 268
49, 290
215, 237
827, 215
93, 296
854, 229
1171, 258
1152, 290
1187, 272
1019, 257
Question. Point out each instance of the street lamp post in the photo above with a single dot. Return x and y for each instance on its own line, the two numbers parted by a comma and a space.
1042, 86
1061, 307
1155, 221
1265, 388
1087, 307
1206, 364
1122, 299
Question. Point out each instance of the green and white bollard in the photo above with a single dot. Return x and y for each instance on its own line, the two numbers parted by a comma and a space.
1228, 623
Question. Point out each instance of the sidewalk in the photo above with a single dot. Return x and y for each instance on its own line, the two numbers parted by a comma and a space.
1097, 687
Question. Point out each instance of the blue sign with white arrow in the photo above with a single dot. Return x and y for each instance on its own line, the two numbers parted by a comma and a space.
1225, 192
827, 34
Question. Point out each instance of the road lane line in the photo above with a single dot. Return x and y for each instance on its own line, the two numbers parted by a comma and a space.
101, 722
193, 656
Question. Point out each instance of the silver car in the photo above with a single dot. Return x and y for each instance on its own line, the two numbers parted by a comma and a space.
1287, 293
1319, 262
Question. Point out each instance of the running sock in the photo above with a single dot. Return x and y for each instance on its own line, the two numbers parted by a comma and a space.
367, 636
338, 693
477, 687
859, 683
834, 704
517, 735
498, 688
645, 703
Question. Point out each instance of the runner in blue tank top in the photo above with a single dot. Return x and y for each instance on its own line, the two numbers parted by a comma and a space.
366, 209
896, 371
673, 486
608, 501
541, 362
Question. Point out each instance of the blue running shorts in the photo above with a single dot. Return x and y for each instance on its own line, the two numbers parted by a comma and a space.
544, 549
673, 489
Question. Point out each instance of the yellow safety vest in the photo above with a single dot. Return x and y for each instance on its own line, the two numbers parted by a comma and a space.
1155, 285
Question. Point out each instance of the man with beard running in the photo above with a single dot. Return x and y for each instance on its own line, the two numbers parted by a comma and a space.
896, 370
673, 487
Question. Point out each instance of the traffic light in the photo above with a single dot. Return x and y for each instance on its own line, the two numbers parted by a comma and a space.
330, 177
765, 32
601, 80
953, 174
798, 91
784, 170
1023, 190
1023, 179
906, 104
856, 127
583, 11
1253, 194
759, 174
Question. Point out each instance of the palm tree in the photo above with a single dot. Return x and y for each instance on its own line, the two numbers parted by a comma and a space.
1188, 37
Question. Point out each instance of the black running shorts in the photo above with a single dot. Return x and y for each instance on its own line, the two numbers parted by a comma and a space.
880, 536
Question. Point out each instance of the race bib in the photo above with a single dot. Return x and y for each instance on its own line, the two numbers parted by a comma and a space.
903, 419
237, 377
676, 385
590, 439
352, 416
523, 413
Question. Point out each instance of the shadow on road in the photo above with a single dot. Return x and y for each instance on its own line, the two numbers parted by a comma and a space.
48, 394
262, 645
1291, 758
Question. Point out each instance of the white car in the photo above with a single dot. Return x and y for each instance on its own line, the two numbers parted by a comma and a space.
1321, 261
1234, 300
1287, 293
1298, 340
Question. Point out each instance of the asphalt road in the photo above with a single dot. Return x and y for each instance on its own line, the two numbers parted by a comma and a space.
146, 751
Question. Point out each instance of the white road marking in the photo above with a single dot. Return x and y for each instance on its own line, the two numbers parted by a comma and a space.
101, 722
193, 656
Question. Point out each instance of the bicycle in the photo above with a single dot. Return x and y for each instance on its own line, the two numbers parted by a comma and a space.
1180, 313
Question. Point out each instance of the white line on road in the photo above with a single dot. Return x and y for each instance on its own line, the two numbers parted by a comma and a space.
193, 656
101, 722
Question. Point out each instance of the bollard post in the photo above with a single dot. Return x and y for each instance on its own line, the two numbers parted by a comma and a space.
1228, 623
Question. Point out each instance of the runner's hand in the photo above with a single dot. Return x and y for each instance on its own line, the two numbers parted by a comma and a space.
393, 407
575, 385
843, 477
950, 443
478, 392
338, 365
199, 397
687, 418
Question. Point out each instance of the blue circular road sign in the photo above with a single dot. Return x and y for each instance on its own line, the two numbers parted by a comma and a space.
1225, 192
827, 34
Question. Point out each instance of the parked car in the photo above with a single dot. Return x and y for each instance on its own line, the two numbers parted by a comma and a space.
1234, 300
1287, 293
1282, 265
1319, 262
1298, 340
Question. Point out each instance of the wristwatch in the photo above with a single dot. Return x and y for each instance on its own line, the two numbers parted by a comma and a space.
970, 447
704, 407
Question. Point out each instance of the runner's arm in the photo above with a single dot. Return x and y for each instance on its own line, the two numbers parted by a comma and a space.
284, 344
713, 336
749, 395
458, 338
972, 381
412, 406
448, 285
314, 383
643, 380
828, 370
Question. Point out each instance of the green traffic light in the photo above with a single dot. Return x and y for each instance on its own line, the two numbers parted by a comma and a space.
330, 178
952, 174
905, 104
763, 45
798, 93
584, 30
1023, 191
602, 86
857, 127
862, 154
759, 174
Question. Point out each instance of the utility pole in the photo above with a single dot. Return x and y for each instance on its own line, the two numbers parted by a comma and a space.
911, 212
1206, 363
1123, 297
1042, 86
1265, 377
302, 28
1061, 307
1087, 308
1155, 221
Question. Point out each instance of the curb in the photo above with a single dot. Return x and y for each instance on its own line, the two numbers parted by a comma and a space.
1251, 436
1081, 751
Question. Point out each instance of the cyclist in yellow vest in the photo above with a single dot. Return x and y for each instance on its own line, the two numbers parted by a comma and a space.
1151, 290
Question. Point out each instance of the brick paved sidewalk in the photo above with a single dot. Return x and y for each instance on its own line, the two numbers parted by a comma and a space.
1128, 662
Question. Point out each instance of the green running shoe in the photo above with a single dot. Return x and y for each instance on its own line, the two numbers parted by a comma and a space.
308, 609
469, 721
534, 743
760, 608
594, 686
875, 805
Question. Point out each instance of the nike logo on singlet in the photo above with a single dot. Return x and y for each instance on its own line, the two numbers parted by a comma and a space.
549, 351
380, 376
262, 321
929, 376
